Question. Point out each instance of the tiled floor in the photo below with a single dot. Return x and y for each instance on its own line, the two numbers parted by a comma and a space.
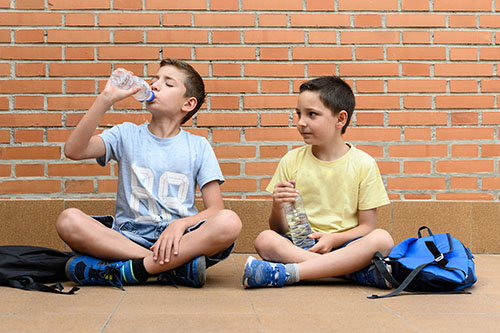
223, 305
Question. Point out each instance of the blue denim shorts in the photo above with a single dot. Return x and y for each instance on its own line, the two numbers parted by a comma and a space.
146, 234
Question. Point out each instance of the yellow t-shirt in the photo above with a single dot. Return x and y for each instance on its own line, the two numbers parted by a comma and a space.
333, 191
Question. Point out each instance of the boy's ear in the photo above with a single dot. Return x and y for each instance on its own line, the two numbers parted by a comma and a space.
189, 104
342, 118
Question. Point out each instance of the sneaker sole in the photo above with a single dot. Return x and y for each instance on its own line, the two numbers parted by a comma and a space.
66, 269
202, 271
247, 271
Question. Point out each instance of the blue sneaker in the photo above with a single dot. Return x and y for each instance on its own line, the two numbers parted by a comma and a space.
260, 273
192, 273
370, 276
90, 271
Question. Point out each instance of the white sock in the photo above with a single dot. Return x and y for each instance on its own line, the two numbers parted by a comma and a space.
293, 272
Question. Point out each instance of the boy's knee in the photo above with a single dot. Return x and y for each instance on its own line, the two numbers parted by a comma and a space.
66, 222
383, 240
263, 241
230, 224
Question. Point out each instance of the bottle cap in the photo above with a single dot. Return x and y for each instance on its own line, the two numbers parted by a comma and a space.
150, 97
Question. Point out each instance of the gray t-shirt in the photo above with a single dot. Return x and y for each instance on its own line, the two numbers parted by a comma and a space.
157, 177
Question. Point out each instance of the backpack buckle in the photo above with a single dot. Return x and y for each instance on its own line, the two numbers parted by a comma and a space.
439, 258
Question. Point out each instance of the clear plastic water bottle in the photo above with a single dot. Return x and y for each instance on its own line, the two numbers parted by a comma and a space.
298, 223
123, 79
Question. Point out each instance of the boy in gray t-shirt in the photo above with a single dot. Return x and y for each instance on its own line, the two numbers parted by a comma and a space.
157, 230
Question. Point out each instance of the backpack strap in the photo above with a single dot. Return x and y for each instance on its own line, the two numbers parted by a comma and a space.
381, 266
27, 283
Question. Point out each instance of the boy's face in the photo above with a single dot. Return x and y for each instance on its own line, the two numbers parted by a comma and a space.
168, 86
316, 123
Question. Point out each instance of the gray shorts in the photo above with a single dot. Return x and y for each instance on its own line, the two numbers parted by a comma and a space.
147, 233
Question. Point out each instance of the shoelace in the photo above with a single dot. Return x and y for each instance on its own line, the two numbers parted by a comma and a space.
167, 277
273, 275
111, 274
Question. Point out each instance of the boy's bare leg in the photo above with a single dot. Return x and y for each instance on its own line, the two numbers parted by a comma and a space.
86, 235
355, 256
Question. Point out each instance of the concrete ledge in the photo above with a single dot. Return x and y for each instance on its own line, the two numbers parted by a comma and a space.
31, 222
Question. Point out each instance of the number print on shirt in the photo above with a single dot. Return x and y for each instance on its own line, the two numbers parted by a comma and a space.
142, 184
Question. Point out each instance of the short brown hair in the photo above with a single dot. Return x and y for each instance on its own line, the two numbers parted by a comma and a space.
193, 83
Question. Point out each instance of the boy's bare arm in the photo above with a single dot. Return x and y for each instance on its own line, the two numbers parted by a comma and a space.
82, 144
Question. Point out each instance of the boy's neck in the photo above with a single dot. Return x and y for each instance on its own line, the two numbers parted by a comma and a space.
164, 128
331, 152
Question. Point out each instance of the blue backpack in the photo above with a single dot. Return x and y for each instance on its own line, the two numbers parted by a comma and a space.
435, 263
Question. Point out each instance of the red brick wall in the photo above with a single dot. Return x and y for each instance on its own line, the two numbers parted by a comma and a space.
425, 73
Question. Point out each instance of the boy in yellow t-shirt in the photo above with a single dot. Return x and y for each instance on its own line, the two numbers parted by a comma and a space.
341, 189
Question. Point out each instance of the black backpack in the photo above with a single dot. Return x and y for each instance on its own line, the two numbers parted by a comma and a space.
32, 267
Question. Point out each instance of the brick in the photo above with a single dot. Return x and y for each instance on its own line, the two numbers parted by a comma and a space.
322, 37
412, 196
31, 86
173, 5
415, 5
226, 135
70, 103
417, 134
372, 134
226, 86
80, 69
30, 69
424, 20
462, 5
463, 37
177, 19
415, 85
31, 19
29, 170
224, 4
226, 119
382, 5
369, 37
30, 4
463, 69
28, 102
30, 186
320, 20
274, 86
464, 151
280, 5
177, 36
417, 102
5, 136
238, 151
78, 36
469, 166
373, 151
322, 53
416, 37
414, 69
107, 186
489, 54
274, 36
82, 4
422, 150
462, 21
79, 19
5, 170
224, 20
226, 37
239, 185
465, 102
224, 102
321, 5
367, 20
273, 151
31, 52
230, 169
272, 20
29, 36
80, 86
416, 183
416, 53
488, 21
491, 118
274, 70
463, 183
78, 186
58, 135
369, 119
30, 153
4, 103
111, 119
272, 134
491, 183
416, 167
260, 168
274, 119
369, 53
490, 86
28, 135
368, 69
369, 86
129, 19
464, 196
4, 35
79, 53
226, 53
464, 118
319, 69
30, 120
138, 52
364, 102
470, 133
77, 170
223, 69
458, 53
270, 102
490, 150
